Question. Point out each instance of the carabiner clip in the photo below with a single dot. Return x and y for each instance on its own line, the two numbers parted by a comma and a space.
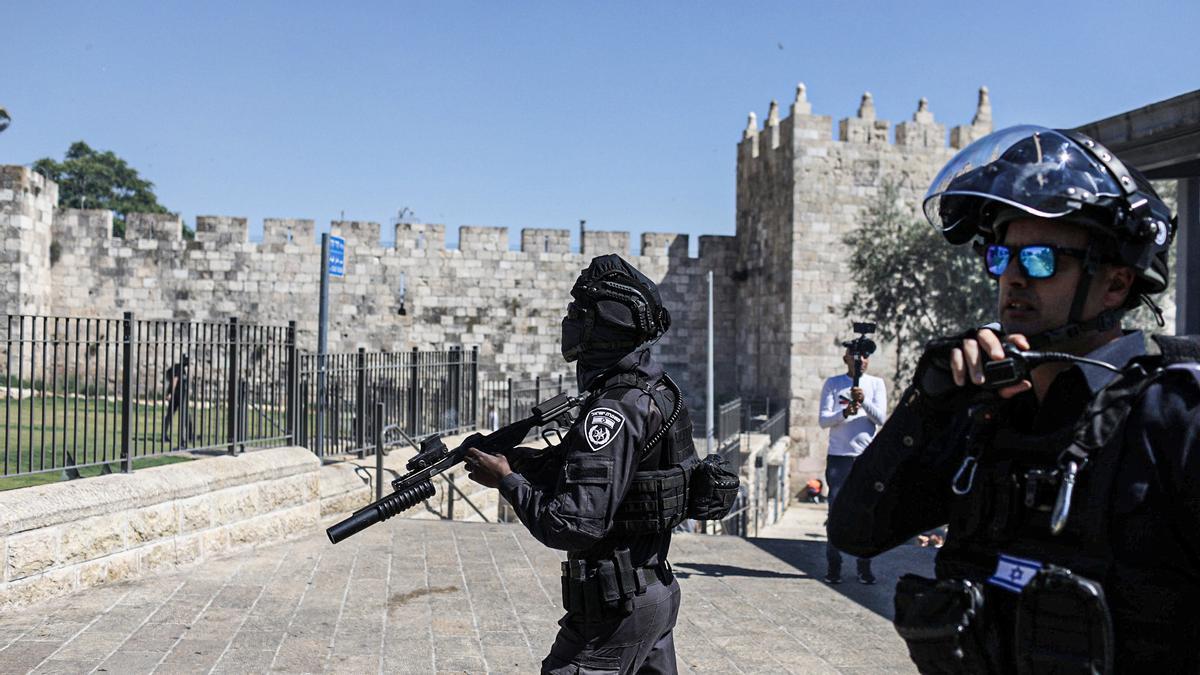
967, 471
1062, 506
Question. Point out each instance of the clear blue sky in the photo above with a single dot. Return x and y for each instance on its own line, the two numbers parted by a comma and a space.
535, 114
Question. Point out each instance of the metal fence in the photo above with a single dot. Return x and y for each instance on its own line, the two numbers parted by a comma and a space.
506, 401
82, 392
729, 433
776, 426
423, 393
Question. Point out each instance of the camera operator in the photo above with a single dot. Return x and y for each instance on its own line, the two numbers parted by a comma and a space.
853, 406
1072, 492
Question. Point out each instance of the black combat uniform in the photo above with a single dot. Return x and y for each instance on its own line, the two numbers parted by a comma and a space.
903, 485
1074, 520
569, 498
622, 478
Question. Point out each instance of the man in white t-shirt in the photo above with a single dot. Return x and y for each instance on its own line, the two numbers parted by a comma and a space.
852, 415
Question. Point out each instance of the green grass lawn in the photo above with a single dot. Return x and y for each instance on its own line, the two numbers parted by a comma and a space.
45, 433
13, 482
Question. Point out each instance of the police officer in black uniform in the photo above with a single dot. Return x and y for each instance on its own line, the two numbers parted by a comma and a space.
611, 492
1072, 492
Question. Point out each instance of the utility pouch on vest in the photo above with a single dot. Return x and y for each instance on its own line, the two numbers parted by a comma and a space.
1063, 625
713, 489
945, 625
603, 588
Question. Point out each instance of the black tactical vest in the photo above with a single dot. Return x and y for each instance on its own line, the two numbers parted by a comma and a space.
1018, 483
1053, 498
658, 496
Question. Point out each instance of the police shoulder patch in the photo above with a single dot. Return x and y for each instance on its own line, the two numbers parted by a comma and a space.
601, 426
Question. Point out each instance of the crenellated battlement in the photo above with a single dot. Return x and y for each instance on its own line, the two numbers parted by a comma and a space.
865, 128
154, 226
663, 244
288, 231
359, 235
543, 240
214, 231
598, 242
477, 239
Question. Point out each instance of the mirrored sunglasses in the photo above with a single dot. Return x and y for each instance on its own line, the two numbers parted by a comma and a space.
1038, 261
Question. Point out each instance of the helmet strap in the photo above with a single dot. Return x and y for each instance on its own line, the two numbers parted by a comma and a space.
1084, 284
1074, 327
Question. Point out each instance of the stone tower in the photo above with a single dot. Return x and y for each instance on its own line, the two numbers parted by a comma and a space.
799, 192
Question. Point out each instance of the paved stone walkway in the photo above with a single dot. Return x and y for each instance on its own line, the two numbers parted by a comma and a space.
434, 596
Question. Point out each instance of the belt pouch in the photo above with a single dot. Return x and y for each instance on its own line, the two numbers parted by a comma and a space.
944, 624
1063, 625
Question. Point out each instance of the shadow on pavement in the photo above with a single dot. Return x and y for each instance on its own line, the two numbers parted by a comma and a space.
684, 570
808, 557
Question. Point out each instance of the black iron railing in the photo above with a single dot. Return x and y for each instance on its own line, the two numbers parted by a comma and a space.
82, 392
775, 426
505, 401
423, 393
729, 432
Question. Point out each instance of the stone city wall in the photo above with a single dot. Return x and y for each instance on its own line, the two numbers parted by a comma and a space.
416, 293
67, 536
780, 283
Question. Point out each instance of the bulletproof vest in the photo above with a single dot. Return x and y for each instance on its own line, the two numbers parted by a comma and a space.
1017, 492
658, 495
1051, 498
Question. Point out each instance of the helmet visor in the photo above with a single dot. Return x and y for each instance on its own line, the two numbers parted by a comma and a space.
1037, 170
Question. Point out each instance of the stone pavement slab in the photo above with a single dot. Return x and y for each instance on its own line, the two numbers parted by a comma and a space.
414, 596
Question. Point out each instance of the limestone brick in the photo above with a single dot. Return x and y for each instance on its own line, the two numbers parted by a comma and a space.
236, 504
195, 513
156, 556
215, 541
109, 569
31, 552
38, 588
189, 549
279, 494
90, 539
152, 523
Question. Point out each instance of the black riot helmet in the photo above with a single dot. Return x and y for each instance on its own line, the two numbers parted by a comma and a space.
616, 308
1058, 174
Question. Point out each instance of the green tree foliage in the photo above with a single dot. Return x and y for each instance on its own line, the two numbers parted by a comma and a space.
912, 283
90, 179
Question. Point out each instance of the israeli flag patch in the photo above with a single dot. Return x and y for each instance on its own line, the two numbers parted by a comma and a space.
1012, 573
601, 426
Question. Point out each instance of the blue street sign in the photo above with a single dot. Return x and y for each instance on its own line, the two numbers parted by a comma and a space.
337, 257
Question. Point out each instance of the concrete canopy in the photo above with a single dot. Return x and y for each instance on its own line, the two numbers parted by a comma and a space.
1163, 141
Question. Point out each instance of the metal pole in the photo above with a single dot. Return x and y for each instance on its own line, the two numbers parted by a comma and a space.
708, 424
322, 343
378, 451
232, 408
360, 403
126, 393
291, 414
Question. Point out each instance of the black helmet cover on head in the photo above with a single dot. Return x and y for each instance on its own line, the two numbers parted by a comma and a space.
1056, 174
615, 307
1053, 174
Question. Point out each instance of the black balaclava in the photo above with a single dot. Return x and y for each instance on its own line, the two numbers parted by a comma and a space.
615, 310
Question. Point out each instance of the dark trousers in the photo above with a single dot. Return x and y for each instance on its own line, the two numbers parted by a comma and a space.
642, 642
837, 468
176, 405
